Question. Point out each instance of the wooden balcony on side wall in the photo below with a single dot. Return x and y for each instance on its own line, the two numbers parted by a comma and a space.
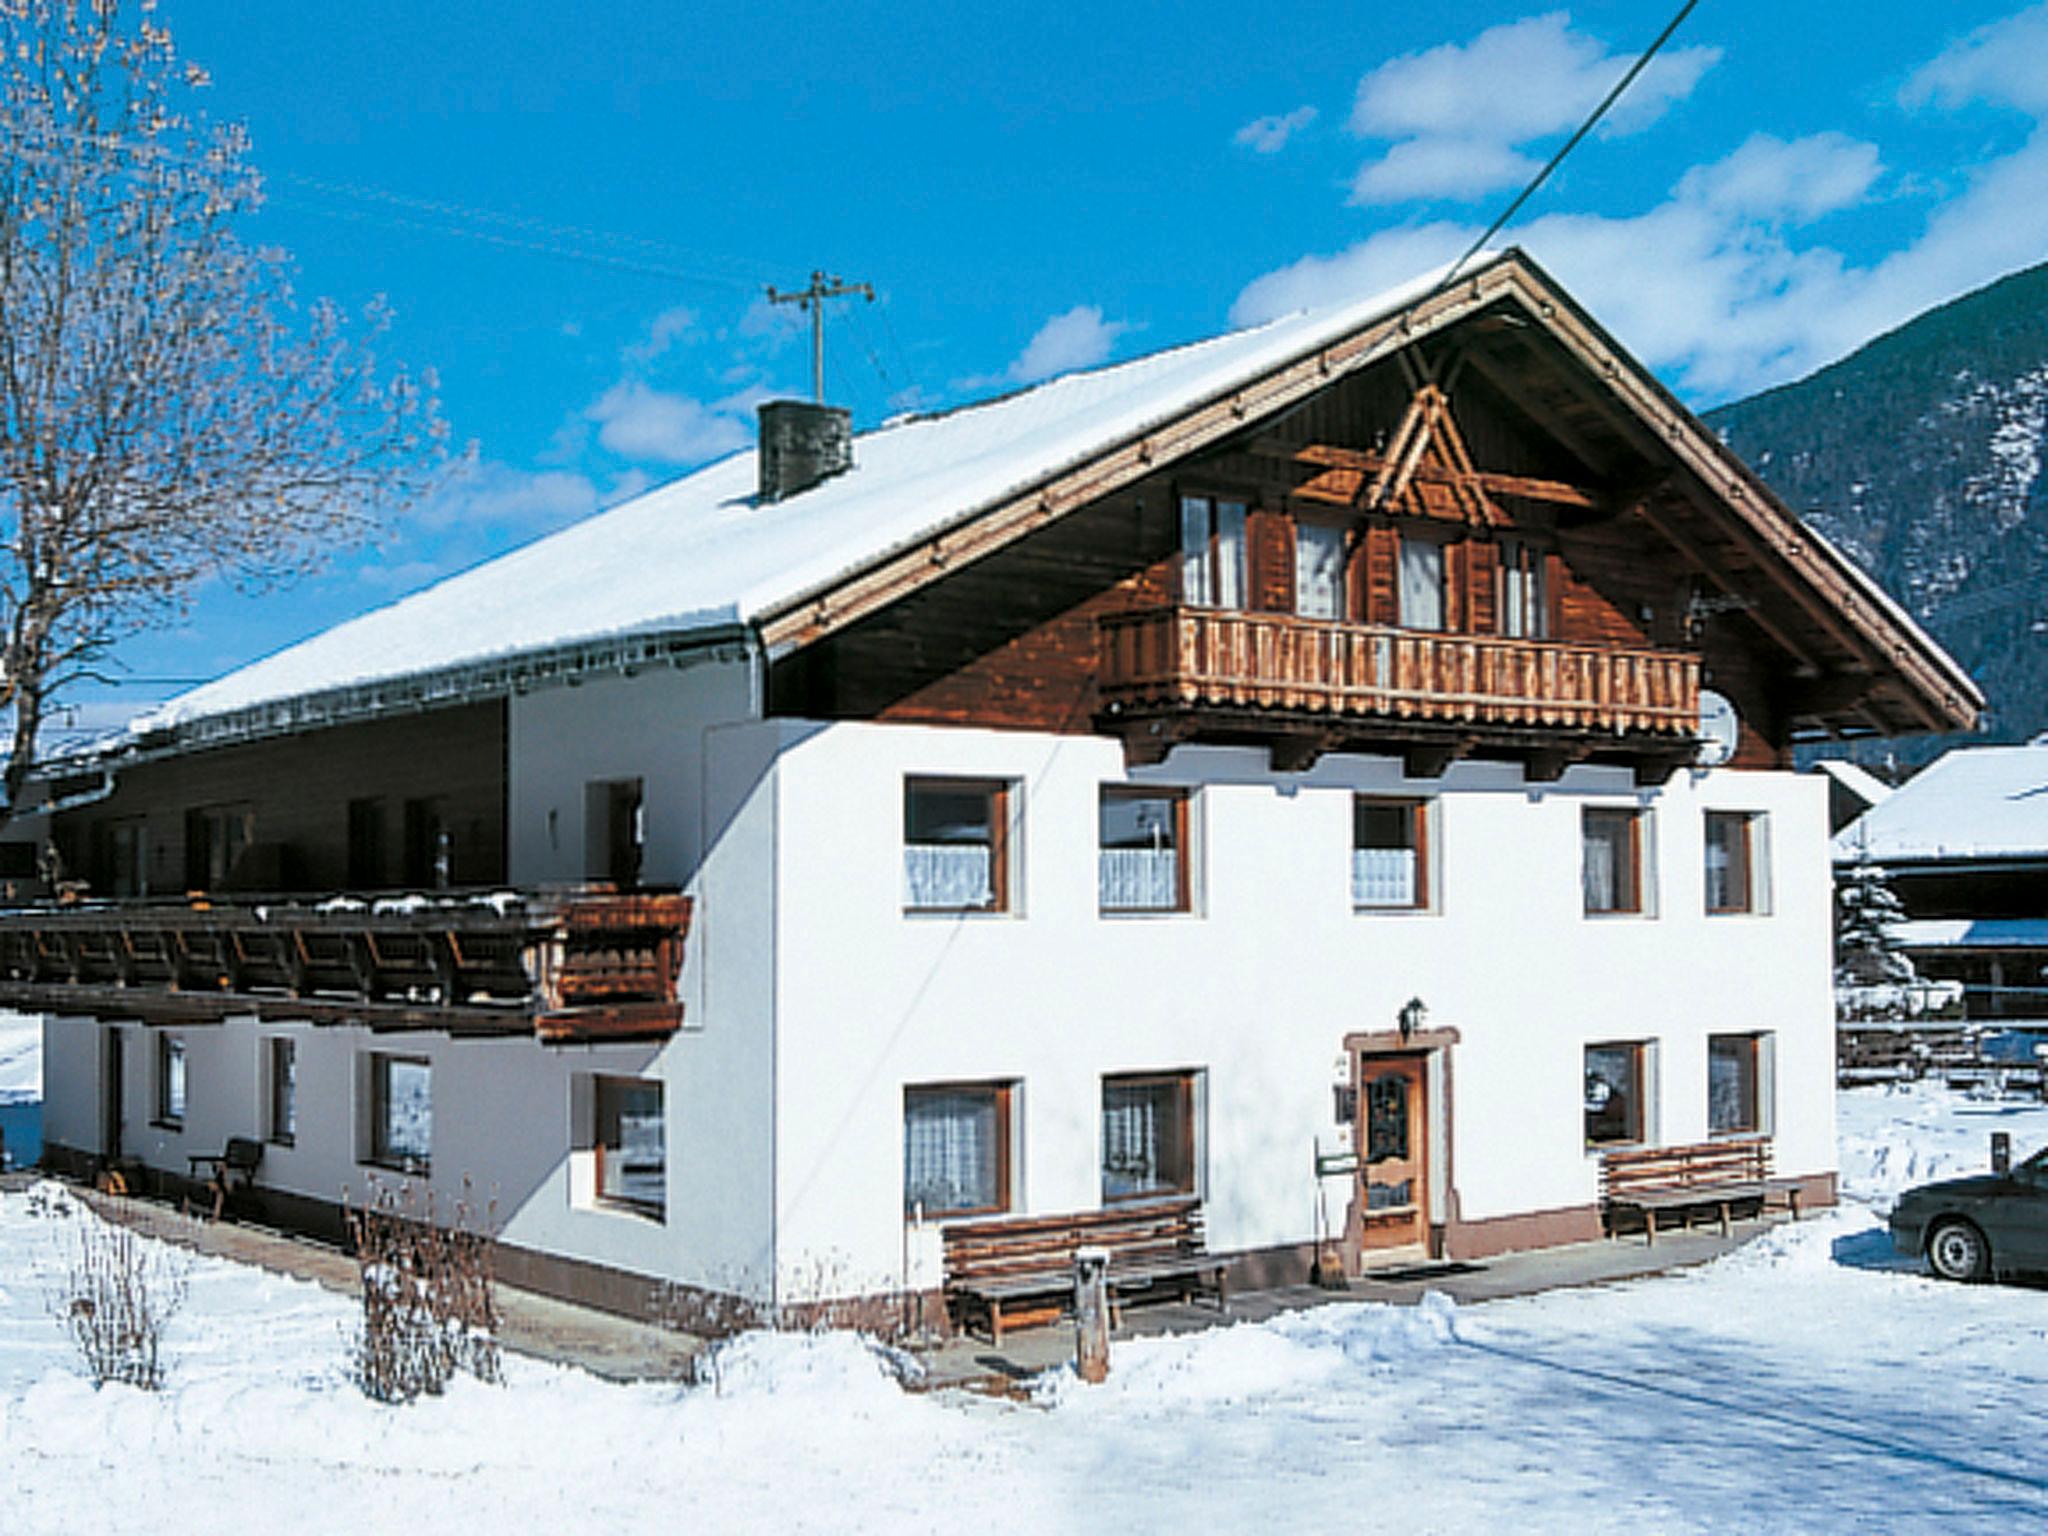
1185, 672
564, 966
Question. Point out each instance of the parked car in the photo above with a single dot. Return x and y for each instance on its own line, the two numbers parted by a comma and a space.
1978, 1226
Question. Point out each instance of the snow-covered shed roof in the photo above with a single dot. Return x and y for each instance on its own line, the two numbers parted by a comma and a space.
1973, 932
701, 561
1972, 803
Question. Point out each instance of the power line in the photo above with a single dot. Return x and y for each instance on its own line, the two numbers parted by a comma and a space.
1570, 144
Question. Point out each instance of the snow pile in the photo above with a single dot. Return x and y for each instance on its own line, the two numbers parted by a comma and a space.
1892, 1137
21, 1058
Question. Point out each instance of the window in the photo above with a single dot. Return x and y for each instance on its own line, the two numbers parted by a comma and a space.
1389, 854
215, 839
1617, 1086
1735, 845
401, 1113
284, 1091
121, 857
429, 845
1142, 864
1422, 582
366, 864
1738, 1083
632, 1145
1212, 552
955, 845
1612, 872
1319, 571
1148, 1136
1524, 602
614, 831
170, 1080
956, 1149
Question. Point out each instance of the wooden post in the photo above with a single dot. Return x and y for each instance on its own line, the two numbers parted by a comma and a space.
1091, 1314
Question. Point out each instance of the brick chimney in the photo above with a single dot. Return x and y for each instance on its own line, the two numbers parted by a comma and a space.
801, 445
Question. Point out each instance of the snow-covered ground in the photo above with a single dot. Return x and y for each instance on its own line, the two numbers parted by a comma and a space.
1808, 1382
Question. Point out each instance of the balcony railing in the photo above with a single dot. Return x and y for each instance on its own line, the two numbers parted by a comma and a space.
1195, 658
568, 965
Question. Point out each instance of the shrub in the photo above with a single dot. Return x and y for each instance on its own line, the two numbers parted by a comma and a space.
114, 1293
429, 1308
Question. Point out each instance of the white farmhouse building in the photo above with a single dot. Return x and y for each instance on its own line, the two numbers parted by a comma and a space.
1119, 791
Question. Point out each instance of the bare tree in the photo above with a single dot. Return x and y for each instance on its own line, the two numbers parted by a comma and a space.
168, 410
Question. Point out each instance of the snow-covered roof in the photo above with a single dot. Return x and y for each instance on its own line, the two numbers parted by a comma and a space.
700, 554
1973, 803
1856, 779
1973, 932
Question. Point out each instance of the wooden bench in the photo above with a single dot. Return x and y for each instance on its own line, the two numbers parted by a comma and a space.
1707, 1176
229, 1172
1015, 1271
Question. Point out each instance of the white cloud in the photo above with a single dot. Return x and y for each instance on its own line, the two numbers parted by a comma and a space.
637, 421
1269, 135
1460, 110
1080, 338
491, 495
1373, 265
2005, 63
665, 332
1461, 169
1801, 180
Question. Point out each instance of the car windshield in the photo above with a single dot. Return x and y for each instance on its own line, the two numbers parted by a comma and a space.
2035, 1167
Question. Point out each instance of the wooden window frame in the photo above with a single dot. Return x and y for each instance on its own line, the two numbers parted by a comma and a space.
1534, 567
614, 1082
1004, 1091
1214, 496
1639, 1074
1425, 876
1345, 543
380, 1154
166, 1117
999, 793
1183, 1082
1635, 905
1745, 885
1753, 1044
1183, 894
278, 1049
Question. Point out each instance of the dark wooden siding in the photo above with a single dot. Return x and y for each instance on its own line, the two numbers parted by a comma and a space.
296, 791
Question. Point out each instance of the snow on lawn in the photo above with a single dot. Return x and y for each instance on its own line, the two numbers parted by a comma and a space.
1808, 1382
21, 1057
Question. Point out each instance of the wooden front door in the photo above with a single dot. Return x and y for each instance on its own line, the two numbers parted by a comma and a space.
1392, 1204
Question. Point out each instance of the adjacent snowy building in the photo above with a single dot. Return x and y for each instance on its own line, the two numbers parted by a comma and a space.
1368, 733
1965, 843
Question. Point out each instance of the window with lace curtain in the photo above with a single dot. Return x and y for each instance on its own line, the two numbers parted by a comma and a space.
1148, 1136
1389, 854
1142, 846
956, 1149
956, 845
1611, 870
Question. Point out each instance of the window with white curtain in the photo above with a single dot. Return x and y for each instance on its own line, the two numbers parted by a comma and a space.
1736, 857
1319, 571
956, 1149
1612, 860
1524, 603
1422, 582
955, 845
1142, 857
1212, 560
1148, 1136
1389, 854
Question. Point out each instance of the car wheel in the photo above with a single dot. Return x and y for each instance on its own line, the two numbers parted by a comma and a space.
1957, 1251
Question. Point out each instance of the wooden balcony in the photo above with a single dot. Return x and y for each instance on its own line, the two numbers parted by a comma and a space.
1177, 673
564, 966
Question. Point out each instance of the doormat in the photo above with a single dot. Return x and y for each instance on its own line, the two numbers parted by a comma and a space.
1422, 1272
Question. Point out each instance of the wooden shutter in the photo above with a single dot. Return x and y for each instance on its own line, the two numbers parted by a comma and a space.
1482, 582
1270, 536
1382, 591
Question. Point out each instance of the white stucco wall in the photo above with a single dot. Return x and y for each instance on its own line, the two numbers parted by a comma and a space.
1259, 985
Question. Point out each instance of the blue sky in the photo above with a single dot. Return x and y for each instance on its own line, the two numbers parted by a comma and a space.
573, 209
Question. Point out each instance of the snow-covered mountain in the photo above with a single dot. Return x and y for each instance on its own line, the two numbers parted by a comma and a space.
1921, 455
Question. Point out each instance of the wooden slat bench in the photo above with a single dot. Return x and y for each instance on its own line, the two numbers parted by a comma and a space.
1014, 1271
1710, 1176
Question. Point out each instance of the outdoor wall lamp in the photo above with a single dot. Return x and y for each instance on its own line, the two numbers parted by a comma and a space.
1411, 1017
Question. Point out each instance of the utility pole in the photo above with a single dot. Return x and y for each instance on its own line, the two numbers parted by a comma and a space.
823, 287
